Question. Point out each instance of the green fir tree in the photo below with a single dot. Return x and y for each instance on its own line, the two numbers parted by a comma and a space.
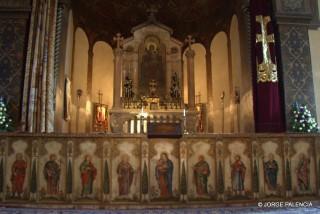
302, 120
69, 178
5, 121
145, 185
106, 185
220, 179
255, 186
33, 184
184, 185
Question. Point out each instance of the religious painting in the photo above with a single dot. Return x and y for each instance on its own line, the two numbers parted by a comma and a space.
52, 170
201, 174
18, 168
237, 170
152, 69
303, 168
164, 171
100, 122
86, 167
272, 167
126, 171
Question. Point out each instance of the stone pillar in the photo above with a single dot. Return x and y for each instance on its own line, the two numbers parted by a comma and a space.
190, 72
294, 21
231, 91
116, 116
89, 89
210, 124
246, 100
118, 52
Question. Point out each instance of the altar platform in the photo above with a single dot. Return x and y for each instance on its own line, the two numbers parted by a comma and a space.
116, 170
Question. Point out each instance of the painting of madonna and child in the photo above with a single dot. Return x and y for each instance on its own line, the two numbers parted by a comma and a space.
164, 173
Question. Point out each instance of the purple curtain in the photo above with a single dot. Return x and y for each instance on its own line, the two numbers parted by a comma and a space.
267, 97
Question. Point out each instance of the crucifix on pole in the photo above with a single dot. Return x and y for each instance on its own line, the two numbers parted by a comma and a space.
100, 94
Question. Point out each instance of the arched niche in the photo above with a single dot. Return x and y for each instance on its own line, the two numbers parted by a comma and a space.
200, 76
79, 80
220, 83
103, 67
236, 71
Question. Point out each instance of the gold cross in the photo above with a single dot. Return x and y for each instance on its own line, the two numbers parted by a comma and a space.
118, 39
189, 40
267, 70
100, 94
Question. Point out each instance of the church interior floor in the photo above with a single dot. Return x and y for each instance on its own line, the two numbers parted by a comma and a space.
218, 210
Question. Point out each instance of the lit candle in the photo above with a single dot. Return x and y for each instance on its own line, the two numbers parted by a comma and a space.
184, 112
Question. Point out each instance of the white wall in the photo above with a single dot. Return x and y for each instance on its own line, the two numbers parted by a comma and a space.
103, 68
220, 83
79, 78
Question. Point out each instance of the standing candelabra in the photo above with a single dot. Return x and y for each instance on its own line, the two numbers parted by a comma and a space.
222, 109
237, 102
79, 94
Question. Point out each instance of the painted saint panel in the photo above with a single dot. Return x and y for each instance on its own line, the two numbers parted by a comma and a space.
164, 171
18, 170
126, 170
303, 168
201, 173
271, 165
237, 171
87, 171
52, 170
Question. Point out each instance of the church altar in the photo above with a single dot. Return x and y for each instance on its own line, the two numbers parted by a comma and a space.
111, 169
149, 78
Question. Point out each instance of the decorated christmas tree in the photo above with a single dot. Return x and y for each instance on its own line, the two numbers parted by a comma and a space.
302, 120
5, 121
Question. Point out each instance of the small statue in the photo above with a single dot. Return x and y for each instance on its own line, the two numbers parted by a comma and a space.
128, 88
175, 89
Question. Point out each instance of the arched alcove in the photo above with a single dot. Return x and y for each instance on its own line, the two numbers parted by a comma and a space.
200, 75
79, 80
103, 68
221, 83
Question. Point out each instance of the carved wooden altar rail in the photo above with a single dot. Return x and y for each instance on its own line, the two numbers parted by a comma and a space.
131, 169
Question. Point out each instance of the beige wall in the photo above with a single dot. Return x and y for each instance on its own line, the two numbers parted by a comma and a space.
79, 78
220, 81
103, 67
199, 73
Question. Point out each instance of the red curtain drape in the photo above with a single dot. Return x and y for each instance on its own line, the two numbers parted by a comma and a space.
267, 97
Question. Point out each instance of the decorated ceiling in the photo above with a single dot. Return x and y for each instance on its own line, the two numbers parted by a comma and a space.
101, 19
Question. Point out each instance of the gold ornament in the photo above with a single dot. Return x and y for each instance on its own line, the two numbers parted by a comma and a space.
267, 70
